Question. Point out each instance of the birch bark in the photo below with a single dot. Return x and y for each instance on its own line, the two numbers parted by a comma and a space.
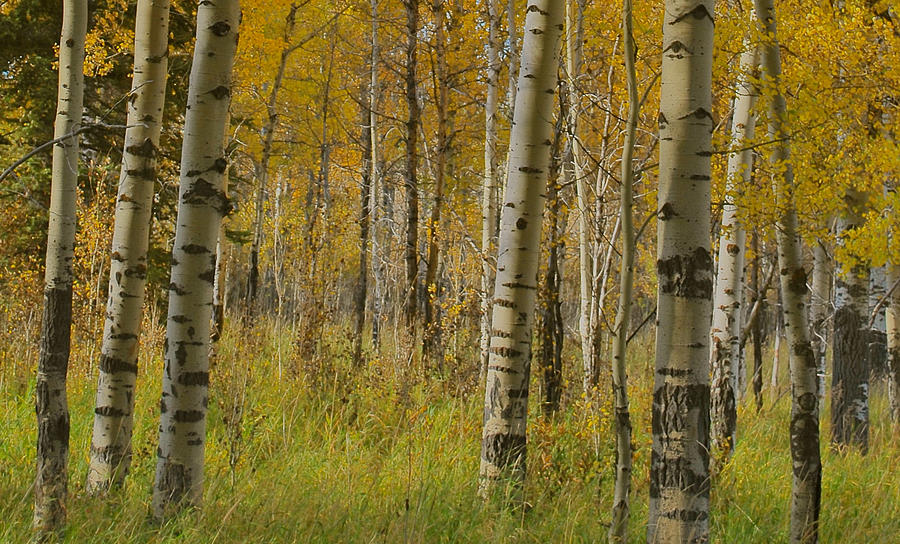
618, 530
679, 466
506, 392
489, 192
725, 356
893, 345
410, 297
113, 415
51, 405
806, 484
201, 205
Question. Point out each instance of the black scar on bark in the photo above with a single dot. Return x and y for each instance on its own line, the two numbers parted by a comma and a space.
220, 28
675, 372
188, 416
805, 445
194, 378
108, 411
138, 271
180, 318
504, 450
503, 351
194, 249
124, 336
220, 92
666, 212
699, 12
209, 275
177, 290
144, 149
505, 303
174, 481
672, 404
797, 280
113, 365
686, 275
521, 223
203, 192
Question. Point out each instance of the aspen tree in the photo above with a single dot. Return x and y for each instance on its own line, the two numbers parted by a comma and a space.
114, 412
806, 484
51, 404
725, 355
432, 321
574, 47
201, 205
262, 168
679, 465
412, 158
379, 237
818, 313
618, 529
850, 341
892, 324
365, 214
506, 392
490, 184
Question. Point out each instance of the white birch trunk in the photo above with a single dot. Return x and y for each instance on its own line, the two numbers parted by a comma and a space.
892, 325
725, 356
506, 392
51, 405
818, 314
679, 466
618, 530
113, 414
490, 184
201, 205
806, 481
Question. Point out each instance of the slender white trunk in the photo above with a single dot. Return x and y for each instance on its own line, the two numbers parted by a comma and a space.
818, 314
725, 356
490, 184
51, 405
512, 47
806, 481
574, 46
893, 344
379, 235
201, 205
506, 392
113, 415
679, 465
618, 530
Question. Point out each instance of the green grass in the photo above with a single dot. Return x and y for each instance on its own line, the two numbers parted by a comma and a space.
326, 456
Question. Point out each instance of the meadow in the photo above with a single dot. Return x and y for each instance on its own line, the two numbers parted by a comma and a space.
317, 451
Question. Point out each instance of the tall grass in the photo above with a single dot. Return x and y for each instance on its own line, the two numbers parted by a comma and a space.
315, 451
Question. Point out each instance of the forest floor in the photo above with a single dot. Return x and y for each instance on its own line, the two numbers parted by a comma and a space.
321, 453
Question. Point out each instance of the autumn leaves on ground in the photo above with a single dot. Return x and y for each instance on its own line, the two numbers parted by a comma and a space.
309, 452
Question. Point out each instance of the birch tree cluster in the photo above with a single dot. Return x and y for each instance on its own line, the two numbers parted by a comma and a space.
498, 196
